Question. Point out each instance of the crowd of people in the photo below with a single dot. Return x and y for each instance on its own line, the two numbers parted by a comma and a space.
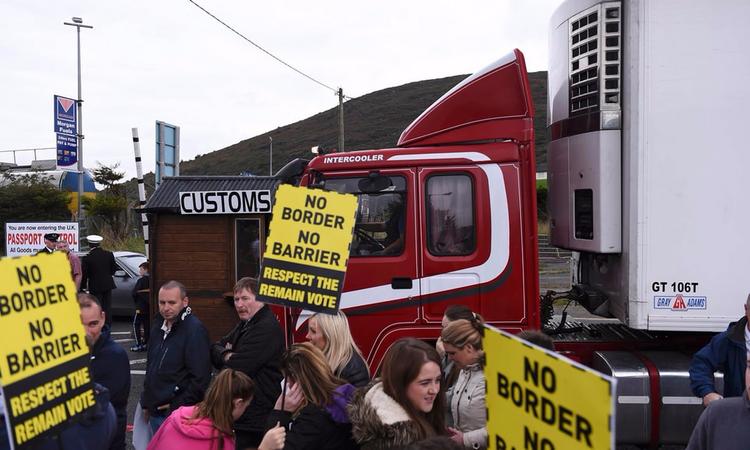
312, 395
248, 391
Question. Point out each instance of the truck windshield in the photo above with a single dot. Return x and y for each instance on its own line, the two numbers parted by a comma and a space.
381, 221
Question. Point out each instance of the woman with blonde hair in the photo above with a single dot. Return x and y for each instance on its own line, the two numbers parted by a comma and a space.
313, 408
331, 334
406, 405
208, 425
462, 340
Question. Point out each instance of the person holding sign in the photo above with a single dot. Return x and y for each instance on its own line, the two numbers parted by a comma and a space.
462, 340
314, 407
330, 333
406, 404
178, 368
253, 347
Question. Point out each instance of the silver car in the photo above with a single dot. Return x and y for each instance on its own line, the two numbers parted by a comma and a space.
125, 277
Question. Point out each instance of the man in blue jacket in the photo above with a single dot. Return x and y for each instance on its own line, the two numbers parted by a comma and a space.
726, 352
178, 368
110, 366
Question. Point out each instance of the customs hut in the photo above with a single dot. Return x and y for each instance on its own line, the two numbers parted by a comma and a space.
207, 232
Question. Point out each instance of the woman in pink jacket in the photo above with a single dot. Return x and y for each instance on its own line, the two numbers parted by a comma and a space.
208, 425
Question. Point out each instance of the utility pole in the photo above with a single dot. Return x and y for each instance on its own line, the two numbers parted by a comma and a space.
270, 156
341, 120
78, 23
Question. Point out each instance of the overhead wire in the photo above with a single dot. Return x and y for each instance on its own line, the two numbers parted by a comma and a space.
335, 91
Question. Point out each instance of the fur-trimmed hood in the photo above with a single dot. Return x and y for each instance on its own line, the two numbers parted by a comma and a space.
378, 421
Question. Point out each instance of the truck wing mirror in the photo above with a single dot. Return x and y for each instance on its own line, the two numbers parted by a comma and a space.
375, 182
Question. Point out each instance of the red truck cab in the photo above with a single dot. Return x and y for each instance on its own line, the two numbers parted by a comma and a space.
447, 216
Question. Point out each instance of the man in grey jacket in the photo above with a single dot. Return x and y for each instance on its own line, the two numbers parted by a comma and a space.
725, 423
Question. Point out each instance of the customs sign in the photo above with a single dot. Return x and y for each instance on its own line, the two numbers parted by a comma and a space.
537, 399
307, 248
44, 369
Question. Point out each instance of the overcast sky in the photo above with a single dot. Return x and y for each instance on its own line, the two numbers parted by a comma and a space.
167, 60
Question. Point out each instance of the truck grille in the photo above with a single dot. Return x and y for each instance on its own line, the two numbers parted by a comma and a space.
595, 43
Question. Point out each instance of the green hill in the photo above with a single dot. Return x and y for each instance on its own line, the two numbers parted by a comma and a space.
371, 121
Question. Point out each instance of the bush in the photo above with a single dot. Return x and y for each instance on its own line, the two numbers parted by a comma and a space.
31, 198
541, 203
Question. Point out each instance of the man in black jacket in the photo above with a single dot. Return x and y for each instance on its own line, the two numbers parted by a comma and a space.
110, 366
50, 241
98, 267
254, 347
178, 368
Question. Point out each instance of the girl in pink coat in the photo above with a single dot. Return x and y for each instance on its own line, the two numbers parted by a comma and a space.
208, 425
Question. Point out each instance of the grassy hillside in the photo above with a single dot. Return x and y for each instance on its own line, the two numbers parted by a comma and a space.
371, 121
374, 120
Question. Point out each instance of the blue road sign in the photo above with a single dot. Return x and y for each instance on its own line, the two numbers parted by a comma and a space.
65, 115
67, 150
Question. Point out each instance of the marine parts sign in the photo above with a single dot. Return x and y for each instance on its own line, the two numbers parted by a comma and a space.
537, 399
43, 353
307, 248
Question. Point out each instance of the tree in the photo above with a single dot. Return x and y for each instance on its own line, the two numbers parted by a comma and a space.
31, 198
108, 210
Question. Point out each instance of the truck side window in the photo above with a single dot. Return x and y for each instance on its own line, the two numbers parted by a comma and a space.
450, 215
381, 218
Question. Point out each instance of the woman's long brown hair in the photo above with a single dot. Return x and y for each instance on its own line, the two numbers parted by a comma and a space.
306, 365
401, 365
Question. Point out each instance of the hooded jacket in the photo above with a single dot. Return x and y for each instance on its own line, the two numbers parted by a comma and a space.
316, 428
725, 352
110, 367
256, 346
178, 369
467, 406
378, 421
179, 431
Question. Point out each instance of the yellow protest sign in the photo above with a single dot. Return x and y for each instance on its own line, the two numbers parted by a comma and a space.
44, 364
539, 400
307, 248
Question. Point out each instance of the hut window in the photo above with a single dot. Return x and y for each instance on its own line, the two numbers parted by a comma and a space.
248, 238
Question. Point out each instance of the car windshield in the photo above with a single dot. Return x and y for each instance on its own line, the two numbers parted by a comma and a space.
132, 261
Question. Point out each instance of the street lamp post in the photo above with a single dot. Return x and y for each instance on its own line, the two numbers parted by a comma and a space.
78, 23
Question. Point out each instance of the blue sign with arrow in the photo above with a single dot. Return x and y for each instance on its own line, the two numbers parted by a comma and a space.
66, 121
